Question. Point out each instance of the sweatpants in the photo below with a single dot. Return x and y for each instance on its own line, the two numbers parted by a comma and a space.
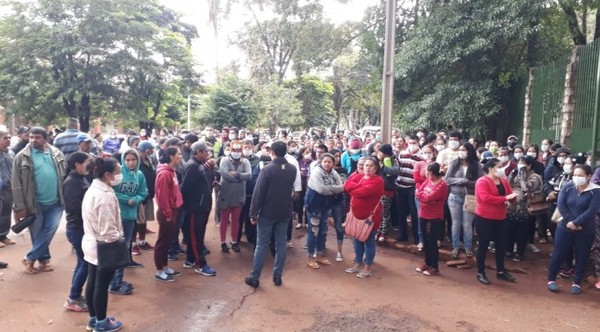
197, 224
166, 232
563, 244
234, 214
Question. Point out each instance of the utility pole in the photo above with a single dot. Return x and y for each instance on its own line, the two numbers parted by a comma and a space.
189, 120
387, 94
596, 117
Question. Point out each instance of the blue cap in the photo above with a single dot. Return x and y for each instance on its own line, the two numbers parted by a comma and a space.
83, 138
145, 145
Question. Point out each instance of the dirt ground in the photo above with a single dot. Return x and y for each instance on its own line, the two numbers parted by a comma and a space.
395, 298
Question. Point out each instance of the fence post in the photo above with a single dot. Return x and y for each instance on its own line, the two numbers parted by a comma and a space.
596, 116
568, 109
527, 109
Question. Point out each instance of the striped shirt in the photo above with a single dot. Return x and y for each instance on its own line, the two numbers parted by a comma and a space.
406, 163
67, 142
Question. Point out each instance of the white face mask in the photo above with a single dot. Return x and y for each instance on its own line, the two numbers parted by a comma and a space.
247, 152
503, 159
520, 166
226, 153
232, 137
117, 181
500, 172
518, 155
462, 154
453, 145
354, 151
413, 147
427, 156
532, 154
440, 147
236, 155
307, 157
567, 168
293, 150
579, 180
545, 147
561, 160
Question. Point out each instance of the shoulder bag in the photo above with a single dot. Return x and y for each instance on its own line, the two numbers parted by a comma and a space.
536, 204
113, 255
360, 229
470, 203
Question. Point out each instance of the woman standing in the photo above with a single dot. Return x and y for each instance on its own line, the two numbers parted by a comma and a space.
304, 161
101, 222
578, 203
389, 172
235, 171
524, 182
429, 155
168, 200
74, 187
461, 177
326, 187
432, 196
493, 194
365, 192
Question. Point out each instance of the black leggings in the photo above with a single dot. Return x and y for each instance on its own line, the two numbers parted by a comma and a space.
490, 230
96, 291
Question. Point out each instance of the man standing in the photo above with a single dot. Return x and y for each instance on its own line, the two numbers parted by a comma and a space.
405, 189
197, 202
186, 149
67, 141
6, 201
271, 209
37, 184
85, 143
146, 208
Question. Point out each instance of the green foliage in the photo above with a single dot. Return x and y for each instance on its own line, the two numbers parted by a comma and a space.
315, 95
88, 58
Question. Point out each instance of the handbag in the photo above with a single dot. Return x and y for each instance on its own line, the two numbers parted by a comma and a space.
536, 204
359, 229
113, 255
23, 223
470, 203
556, 216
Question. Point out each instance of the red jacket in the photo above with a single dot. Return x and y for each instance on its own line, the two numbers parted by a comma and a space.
420, 173
166, 190
432, 198
365, 195
490, 205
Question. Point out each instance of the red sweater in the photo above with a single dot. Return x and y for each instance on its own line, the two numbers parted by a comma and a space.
490, 204
420, 173
167, 193
432, 198
365, 193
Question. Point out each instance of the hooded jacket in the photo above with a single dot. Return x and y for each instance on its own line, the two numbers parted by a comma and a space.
580, 208
166, 189
74, 187
133, 187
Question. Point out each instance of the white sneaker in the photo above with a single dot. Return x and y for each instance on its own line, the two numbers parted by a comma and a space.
339, 257
533, 248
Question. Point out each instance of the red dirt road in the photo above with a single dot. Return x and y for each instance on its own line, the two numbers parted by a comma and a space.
396, 298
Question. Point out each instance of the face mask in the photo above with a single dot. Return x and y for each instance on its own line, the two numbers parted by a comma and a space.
113, 136
247, 152
545, 147
427, 156
579, 180
440, 147
232, 137
420, 135
520, 166
511, 144
567, 168
378, 138
293, 150
532, 154
117, 180
518, 155
494, 149
354, 151
462, 155
500, 173
307, 157
503, 159
142, 133
453, 145
226, 153
561, 160
236, 155
413, 147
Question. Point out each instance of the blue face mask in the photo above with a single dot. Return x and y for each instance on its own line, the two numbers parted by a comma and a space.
378, 138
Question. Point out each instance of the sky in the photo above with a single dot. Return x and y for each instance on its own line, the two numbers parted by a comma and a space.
210, 51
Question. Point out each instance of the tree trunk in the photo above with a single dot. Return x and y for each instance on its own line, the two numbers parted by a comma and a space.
84, 113
597, 29
576, 34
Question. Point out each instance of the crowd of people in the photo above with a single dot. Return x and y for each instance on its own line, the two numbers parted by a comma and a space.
425, 188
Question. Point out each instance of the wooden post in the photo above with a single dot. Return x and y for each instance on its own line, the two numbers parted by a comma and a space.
527, 112
568, 110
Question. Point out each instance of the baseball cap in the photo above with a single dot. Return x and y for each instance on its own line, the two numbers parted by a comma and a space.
22, 130
173, 141
145, 145
83, 138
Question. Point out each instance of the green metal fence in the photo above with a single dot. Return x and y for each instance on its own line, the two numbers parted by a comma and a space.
585, 89
547, 100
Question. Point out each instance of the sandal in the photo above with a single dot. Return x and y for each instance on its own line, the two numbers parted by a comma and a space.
312, 264
45, 267
323, 260
29, 267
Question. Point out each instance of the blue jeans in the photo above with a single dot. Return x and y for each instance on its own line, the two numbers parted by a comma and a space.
42, 231
420, 233
364, 252
317, 232
461, 221
265, 228
337, 212
80, 272
128, 227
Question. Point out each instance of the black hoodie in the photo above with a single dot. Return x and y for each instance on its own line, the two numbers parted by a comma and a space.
74, 187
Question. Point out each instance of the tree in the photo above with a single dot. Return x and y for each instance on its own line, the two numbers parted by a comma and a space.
577, 13
66, 55
315, 96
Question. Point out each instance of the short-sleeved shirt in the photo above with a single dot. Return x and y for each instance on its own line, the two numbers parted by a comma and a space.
45, 177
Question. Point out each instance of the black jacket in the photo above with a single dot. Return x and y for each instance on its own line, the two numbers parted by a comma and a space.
196, 191
74, 187
272, 197
149, 172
